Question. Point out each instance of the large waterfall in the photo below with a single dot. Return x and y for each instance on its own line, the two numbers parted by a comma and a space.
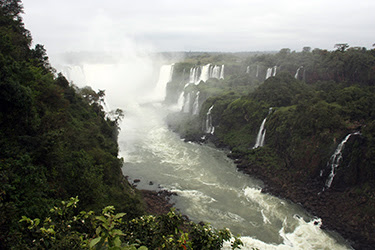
335, 160
165, 76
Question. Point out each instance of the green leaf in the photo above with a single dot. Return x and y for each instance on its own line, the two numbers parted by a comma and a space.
101, 218
117, 242
119, 215
94, 242
36, 221
117, 232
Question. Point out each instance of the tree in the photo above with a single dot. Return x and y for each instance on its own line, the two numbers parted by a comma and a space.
117, 115
12, 8
341, 46
306, 49
61, 81
39, 53
284, 51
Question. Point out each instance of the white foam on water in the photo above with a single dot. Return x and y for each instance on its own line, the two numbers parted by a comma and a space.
307, 235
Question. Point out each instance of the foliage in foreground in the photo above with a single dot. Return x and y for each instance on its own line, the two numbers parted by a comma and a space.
64, 229
56, 141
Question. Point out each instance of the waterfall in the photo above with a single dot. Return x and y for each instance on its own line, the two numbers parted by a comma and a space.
222, 72
274, 71
209, 129
165, 76
75, 74
205, 74
257, 73
180, 101
186, 107
262, 133
297, 72
196, 104
216, 72
247, 69
269, 73
335, 159
181, 98
192, 75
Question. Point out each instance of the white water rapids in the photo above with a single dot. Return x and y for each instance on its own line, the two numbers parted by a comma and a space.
210, 189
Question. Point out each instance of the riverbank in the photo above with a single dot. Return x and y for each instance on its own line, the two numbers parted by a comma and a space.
346, 207
157, 202
340, 211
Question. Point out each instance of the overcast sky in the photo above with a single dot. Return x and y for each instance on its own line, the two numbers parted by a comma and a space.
199, 25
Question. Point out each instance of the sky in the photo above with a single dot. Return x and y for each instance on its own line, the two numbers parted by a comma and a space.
199, 25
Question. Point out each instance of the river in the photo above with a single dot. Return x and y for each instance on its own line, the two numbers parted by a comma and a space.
210, 189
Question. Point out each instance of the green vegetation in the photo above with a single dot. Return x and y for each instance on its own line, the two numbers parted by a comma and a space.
64, 229
56, 142
332, 95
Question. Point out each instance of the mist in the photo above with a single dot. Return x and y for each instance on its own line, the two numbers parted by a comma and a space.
126, 76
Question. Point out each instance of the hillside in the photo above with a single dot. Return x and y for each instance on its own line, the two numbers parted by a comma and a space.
55, 139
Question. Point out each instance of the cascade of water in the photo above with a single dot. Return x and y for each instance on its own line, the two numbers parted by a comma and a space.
261, 133
205, 74
269, 73
297, 72
209, 129
216, 72
192, 75
247, 69
257, 73
180, 101
165, 76
335, 159
196, 104
75, 74
186, 107
274, 71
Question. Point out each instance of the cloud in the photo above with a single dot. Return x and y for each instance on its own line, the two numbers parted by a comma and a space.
199, 25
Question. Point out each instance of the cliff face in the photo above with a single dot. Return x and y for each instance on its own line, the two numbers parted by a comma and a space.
304, 128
